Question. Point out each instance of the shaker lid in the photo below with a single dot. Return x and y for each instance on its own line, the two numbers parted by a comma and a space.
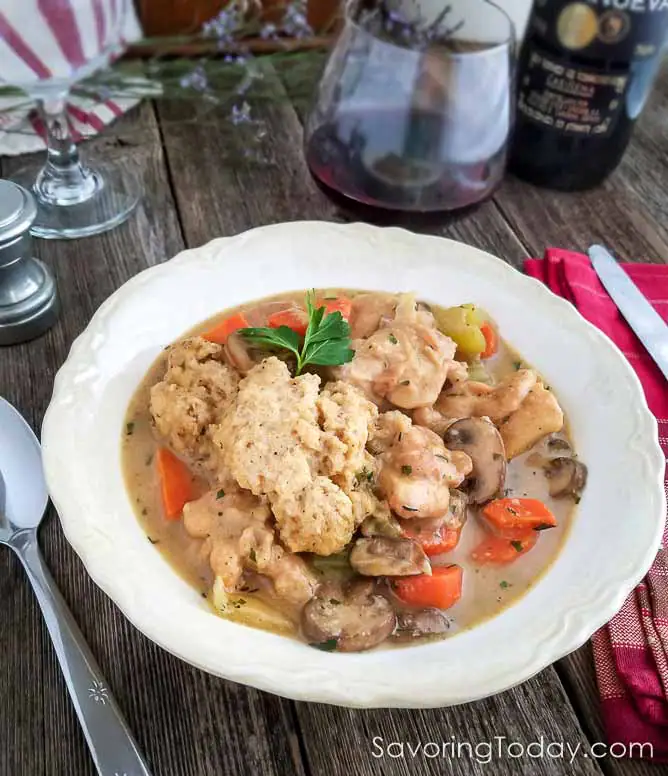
17, 210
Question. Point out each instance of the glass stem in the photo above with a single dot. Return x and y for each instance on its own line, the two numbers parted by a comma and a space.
64, 180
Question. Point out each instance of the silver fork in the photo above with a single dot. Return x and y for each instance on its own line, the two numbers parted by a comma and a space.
23, 502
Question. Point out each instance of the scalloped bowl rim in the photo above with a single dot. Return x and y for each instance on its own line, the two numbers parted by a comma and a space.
81, 451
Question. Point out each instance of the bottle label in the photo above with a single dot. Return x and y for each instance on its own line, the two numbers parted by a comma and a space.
576, 101
570, 93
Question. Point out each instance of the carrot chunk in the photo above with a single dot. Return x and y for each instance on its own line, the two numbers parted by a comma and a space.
339, 305
525, 513
491, 340
500, 550
176, 485
442, 589
443, 539
293, 318
221, 331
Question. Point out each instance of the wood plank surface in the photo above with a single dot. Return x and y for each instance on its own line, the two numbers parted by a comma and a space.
187, 723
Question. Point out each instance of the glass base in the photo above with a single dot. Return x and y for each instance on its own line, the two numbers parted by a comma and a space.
113, 191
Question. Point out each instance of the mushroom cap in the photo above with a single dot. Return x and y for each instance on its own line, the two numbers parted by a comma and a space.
566, 477
384, 556
416, 624
356, 618
480, 439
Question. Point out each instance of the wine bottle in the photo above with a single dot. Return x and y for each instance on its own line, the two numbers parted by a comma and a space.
585, 71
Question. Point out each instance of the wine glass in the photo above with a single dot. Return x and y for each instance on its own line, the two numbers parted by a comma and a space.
415, 116
48, 47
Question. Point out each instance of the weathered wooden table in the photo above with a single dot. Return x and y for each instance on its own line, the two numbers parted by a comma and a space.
192, 724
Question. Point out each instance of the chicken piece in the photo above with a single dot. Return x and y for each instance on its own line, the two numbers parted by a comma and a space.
346, 417
318, 518
386, 430
538, 415
472, 399
238, 537
417, 474
196, 390
405, 362
271, 443
368, 311
432, 419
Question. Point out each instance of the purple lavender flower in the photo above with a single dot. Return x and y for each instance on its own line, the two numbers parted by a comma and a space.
294, 22
225, 25
196, 79
241, 114
269, 31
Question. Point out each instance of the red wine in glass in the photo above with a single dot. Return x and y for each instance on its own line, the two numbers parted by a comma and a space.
398, 160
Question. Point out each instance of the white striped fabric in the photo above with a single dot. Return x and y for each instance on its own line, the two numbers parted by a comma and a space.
49, 41
21, 131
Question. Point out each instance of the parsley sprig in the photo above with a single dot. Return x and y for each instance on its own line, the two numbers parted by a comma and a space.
326, 342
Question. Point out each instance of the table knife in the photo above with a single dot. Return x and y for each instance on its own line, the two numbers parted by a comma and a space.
638, 312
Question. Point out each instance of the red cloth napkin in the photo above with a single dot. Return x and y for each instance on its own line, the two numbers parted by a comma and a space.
631, 651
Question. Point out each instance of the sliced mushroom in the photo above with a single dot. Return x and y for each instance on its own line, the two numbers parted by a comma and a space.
420, 624
456, 517
566, 477
375, 525
557, 444
382, 556
480, 439
350, 620
238, 353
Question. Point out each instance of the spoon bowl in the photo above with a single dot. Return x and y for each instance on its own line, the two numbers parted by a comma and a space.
23, 494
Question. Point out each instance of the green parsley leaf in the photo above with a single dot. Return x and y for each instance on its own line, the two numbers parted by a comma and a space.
503, 584
407, 470
334, 601
129, 428
153, 541
326, 646
517, 545
517, 365
252, 554
220, 494
282, 338
393, 339
543, 527
326, 342
362, 476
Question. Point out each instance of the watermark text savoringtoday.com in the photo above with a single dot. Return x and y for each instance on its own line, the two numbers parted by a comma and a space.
500, 747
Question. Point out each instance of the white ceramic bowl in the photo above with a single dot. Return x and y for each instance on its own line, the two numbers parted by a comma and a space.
617, 526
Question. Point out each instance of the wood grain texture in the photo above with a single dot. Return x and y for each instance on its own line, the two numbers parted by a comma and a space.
187, 723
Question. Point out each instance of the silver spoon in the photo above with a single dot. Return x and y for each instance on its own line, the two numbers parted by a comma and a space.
23, 501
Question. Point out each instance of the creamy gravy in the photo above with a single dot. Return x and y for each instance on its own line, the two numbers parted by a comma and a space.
486, 589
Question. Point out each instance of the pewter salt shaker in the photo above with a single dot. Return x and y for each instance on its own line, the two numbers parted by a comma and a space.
28, 297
